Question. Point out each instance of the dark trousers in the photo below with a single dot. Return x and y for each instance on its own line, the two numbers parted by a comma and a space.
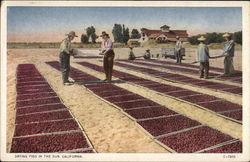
108, 62
65, 66
178, 56
204, 69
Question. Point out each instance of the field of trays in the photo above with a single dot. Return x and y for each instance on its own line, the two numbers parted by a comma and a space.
151, 106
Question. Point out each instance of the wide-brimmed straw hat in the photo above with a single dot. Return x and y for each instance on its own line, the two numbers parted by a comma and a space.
72, 33
226, 35
202, 38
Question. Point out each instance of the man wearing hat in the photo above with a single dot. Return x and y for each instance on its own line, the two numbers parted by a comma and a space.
203, 57
229, 54
108, 59
178, 48
147, 54
65, 52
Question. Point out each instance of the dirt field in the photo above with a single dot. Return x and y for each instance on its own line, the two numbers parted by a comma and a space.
108, 129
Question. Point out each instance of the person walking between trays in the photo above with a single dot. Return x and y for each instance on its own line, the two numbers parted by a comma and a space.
203, 57
229, 54
178, 48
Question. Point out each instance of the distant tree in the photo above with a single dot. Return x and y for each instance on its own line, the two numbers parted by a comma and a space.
94, 37
123, 30
125, 35
117, 33
214, 37
193, 40
237, 37
91, 34
84, 38
210, 38
135, 34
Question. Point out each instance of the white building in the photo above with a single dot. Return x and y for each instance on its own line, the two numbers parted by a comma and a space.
164, 35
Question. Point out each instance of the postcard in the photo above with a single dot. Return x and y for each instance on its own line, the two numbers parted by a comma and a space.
125, 81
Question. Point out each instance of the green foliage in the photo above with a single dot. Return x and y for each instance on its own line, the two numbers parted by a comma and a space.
215, 38
126, 35
117, 33
237, 37
120, 33
94, 37
193, 39
135, 34
91, 34
84, 39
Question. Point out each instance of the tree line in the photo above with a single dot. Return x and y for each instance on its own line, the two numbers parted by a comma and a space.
120, 33
216, 38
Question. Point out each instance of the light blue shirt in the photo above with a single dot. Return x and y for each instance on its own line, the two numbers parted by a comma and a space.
202, 53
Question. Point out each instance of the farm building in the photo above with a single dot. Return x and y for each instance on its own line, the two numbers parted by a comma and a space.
134, 42
164, 35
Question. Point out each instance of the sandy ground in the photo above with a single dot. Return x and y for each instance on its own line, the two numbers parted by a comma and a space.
108, 129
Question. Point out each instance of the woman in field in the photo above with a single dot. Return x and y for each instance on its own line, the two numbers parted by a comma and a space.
229, 54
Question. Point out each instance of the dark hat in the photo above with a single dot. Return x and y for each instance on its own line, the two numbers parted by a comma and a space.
147, 49
72, 33
104, 34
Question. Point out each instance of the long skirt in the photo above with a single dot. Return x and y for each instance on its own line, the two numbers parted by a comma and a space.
228, 65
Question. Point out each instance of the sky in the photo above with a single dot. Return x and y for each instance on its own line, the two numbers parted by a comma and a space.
50, 24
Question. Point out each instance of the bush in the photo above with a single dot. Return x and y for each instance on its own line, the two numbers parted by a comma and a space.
237, 37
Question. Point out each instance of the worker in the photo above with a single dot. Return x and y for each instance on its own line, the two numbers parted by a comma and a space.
131, 55
108, 59
229, 54
147, 54
178, 48
65, 52
203, 57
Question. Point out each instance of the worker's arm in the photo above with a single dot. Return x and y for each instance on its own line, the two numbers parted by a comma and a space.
207, 52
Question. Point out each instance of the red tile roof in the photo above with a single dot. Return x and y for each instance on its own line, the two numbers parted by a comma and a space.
165, 26
170, 34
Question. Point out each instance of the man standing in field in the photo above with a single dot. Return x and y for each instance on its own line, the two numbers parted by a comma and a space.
229, 54
108, 59
178, 48
203, 57
65, 52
